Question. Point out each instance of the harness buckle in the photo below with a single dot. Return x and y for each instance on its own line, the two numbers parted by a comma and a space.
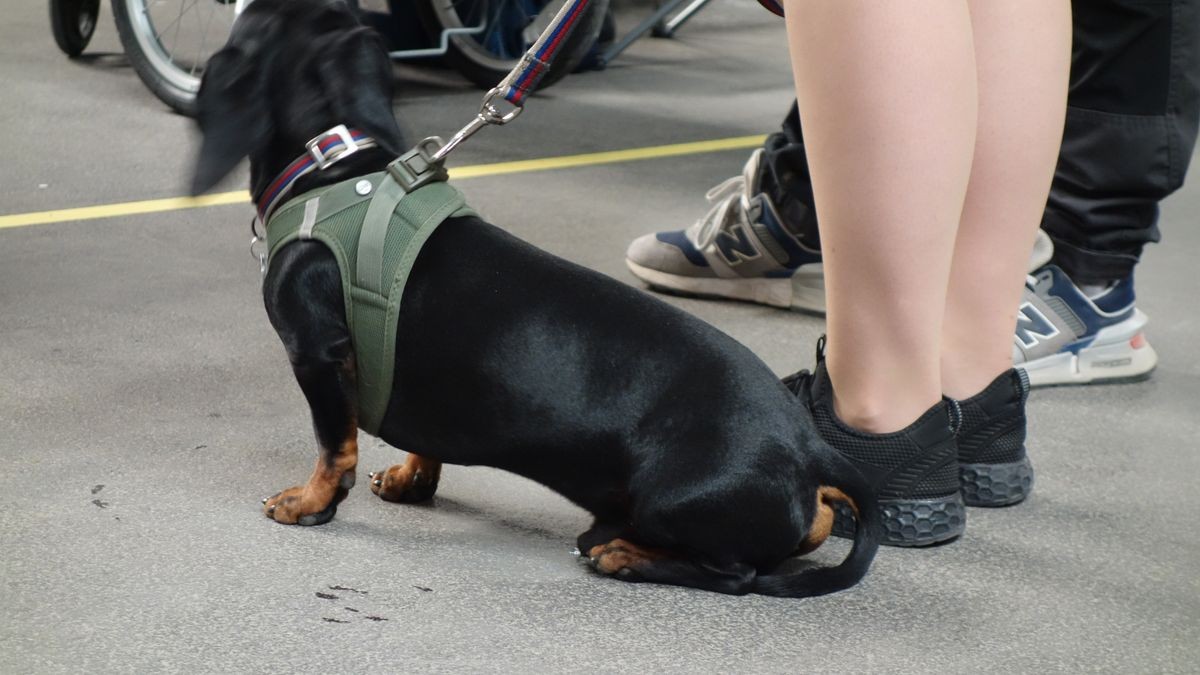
419, 166
323, 160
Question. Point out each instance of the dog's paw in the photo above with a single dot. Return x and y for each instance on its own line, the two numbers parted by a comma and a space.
306, 504
406, 483
621, 558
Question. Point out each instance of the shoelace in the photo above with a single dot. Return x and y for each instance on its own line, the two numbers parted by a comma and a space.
723, 196
718, 217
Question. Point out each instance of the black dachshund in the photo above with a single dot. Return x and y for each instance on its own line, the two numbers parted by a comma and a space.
699, 466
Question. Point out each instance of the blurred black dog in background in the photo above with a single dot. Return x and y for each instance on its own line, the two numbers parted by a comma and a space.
699, 467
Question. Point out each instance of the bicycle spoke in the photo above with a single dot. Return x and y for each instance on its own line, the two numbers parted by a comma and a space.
175, 23
200, 56
159, 33
494, 25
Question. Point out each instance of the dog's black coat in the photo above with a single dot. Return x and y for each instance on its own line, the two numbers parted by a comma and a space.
672, 434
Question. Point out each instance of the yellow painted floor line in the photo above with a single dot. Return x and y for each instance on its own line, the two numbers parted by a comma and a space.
476, 171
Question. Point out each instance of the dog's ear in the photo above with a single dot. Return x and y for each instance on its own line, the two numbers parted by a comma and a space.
233, 113
356, 72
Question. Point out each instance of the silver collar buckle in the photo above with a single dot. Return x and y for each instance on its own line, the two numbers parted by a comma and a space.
323, 160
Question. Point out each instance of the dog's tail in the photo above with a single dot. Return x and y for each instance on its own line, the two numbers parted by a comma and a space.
842, 483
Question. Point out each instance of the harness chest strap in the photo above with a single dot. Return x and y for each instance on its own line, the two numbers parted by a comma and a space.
375, 231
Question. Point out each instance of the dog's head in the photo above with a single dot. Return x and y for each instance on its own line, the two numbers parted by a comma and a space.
291, 70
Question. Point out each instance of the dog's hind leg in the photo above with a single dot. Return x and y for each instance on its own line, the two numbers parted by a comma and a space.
628, 561
822, 523
601, 532
413, 481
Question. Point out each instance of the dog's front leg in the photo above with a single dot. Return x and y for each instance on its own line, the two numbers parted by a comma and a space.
329, 385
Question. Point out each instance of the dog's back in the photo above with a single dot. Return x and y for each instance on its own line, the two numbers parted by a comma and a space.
610, 396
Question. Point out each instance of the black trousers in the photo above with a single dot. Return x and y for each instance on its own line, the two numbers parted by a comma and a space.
1132, 116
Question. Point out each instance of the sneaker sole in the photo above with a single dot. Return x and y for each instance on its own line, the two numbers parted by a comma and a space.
993, 485
804, 290
1119, 353
911, 523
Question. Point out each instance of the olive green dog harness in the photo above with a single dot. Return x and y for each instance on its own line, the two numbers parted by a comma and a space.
375, 230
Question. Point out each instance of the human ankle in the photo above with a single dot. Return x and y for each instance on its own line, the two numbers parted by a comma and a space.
877, 416
965, 376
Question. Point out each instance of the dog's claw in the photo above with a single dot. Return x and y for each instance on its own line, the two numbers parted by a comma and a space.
265, 499
377, 483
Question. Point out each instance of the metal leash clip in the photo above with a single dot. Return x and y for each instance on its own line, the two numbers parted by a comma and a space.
255, 239
488, 114
425, 162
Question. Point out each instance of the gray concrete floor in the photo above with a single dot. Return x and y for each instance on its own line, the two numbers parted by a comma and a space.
146, 406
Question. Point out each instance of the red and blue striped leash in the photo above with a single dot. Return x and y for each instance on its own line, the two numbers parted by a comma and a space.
424, 162
522, 80
533, 66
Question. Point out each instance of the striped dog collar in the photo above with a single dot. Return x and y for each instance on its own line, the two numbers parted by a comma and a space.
324, 150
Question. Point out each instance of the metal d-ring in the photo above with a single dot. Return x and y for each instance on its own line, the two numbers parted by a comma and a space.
255, 239
492, 114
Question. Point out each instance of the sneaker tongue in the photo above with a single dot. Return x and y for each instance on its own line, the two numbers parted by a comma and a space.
1043, 251
752, 175
753, 207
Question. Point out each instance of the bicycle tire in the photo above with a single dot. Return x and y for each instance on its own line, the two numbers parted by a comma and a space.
485, 62
73, 22
170, 72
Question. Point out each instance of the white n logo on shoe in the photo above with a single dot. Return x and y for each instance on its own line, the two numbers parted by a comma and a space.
1033, 326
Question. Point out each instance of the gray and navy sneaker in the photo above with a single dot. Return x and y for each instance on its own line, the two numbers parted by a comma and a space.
1065, 337
740, 250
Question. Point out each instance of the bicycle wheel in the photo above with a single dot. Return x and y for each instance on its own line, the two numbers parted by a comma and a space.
73, 22
509, 28
169, 41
